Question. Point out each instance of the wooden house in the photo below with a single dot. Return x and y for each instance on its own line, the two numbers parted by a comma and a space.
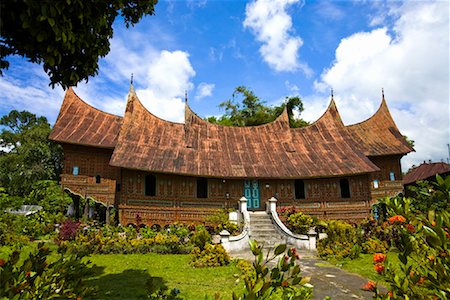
165, 171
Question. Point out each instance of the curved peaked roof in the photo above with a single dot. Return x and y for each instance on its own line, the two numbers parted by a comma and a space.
425, 171
200, 148
379, 135
80, 123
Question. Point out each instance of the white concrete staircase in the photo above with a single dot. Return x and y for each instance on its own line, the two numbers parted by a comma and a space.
263, 231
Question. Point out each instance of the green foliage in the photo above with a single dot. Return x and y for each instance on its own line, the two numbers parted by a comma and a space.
295, 220
341, 241
432, 195
210, 256
37, 278
283, 281
376, 236
200, 238
49, 195
126, 240
374, 245
220, 221
66, 37
251, 111
423, 270
28, 156
248, 273
17, 229
299, 222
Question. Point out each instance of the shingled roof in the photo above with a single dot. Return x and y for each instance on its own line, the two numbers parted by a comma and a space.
426, 171
79, 123
379, 135
200, 148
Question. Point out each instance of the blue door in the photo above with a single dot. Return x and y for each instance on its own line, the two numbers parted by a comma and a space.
251, 192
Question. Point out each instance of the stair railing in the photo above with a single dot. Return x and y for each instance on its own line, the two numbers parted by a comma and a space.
307, 241
239, 242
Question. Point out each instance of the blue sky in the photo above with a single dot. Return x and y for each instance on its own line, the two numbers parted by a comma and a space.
277, 49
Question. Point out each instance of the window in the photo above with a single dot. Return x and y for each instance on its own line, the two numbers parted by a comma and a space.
202, 188
75, 170
375, 184
299, 186
391, 176
345, 188
150, 185
97, 179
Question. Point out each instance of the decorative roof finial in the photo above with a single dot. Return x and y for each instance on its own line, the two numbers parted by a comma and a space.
131, 82
332, 94
185, 96
382, 93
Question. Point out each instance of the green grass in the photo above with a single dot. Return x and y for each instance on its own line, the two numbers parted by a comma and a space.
123, 276
363, 265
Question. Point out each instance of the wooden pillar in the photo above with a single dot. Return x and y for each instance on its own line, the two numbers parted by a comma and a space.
86, 210
107, 220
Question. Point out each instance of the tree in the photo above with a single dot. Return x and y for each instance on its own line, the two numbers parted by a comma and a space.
67, 37
26, 154
246, 109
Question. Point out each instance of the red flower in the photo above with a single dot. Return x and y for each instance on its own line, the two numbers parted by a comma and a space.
2, 262
410, 228
379, 268
285, 283
27, 274
379, 257
370, 286
421, 280
397, 218
390, 294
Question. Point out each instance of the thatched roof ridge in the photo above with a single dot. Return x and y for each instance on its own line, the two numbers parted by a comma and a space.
378, 135
80, 123
272, 150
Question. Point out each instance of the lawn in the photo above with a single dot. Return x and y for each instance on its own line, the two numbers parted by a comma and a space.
363, 265
123, 276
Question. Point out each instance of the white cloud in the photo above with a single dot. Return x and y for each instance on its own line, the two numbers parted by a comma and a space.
169, 77
204, 90
33, 94
160, 78
411, 64
272, 26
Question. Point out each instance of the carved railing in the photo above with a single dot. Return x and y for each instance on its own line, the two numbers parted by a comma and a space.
163, 215
86, 186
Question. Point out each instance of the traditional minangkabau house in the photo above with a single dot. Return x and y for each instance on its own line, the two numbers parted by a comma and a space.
165, 171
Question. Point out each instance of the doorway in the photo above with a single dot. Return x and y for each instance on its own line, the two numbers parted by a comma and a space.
251, 192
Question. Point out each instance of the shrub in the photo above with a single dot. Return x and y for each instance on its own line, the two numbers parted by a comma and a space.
36, 278
423, 270
248, 272
341, 241
299, 222
68, 230
374, 245
220, 221
283, 281
211, 256
200, 237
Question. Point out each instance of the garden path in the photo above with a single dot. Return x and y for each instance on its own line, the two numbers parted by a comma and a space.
327, 280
